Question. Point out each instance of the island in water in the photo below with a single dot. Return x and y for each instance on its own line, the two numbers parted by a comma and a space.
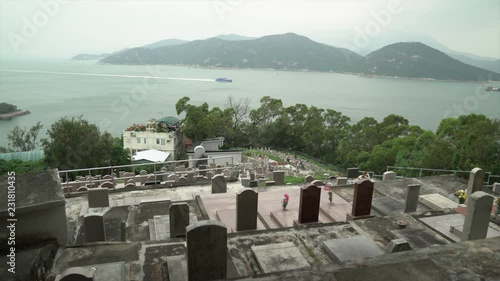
9, 111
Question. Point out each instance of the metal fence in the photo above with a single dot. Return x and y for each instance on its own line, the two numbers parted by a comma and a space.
154, 168
424, 172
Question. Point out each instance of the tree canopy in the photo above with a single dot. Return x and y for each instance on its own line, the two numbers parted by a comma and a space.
458, 144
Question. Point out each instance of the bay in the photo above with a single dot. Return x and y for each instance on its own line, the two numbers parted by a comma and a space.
116, 96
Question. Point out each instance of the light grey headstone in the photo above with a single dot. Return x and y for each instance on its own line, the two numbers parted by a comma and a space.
252, 176
76, 274
226, 172
107, 177
412, 195
131, 181
107, 184
279, 177
179, 219
308, 179
246, 209
397, 245
318, 183
476, 180
477, 218
206, 250
219, 184
389, 175
210, 175
143, 172
351, 248
98, 197
496, 187
341, 180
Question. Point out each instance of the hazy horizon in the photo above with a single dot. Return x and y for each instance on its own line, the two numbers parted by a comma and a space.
57, 28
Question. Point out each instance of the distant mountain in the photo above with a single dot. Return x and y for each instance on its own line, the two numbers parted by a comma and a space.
286, 52
164, 43
234, 37
298, 53
89, 56
416, 60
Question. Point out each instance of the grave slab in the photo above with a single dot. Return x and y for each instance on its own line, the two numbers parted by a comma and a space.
387, 206
351, 248
437, 202
279, 257
177, 268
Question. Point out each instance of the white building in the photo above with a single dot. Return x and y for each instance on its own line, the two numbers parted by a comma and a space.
210, 149
162, 135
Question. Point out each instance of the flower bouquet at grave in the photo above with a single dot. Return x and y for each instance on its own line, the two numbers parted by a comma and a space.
285, 200
330, 193
461, 195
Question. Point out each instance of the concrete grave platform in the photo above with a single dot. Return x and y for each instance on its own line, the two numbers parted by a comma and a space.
418, 270
443, 224
387, 206
420, 238
351, 248
177, 268
437, 202
279, 257
228, 217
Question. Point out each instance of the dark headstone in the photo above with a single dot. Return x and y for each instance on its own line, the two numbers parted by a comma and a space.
94, 227
309, 203
179, 219
246, 209
206, 250
253, 184
362, 201
352, 173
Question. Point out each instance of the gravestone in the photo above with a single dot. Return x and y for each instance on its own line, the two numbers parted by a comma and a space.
81, 189
219, 184
107, 177
310, 196
143, 172
253, 184
279, 177
107, 184
94, 225
252, 176
352, 173
476, 179
235, 173
412, 195
477, 218
226, 172
496, 188
98, 197
203, 170
389, 175
76, 274
351, 248
246, 209
308, 179
179, 219
318, 183
248, 166
341, 180
130, 185
183, 179
206, 250
397, 245
259, 170
362, 201
190, 176
132, 181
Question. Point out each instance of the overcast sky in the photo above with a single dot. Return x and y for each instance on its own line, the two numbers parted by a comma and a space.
54, 28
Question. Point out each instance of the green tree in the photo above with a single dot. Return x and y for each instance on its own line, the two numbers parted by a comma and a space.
75, 143
7, 108
119, 155
24, 139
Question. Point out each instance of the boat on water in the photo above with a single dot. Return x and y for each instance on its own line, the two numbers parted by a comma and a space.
223, 80
492, 89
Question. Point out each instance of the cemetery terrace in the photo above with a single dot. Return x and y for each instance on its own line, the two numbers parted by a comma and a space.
214, 222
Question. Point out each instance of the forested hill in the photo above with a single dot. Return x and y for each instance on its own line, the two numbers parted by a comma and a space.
417, 60
298, 53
